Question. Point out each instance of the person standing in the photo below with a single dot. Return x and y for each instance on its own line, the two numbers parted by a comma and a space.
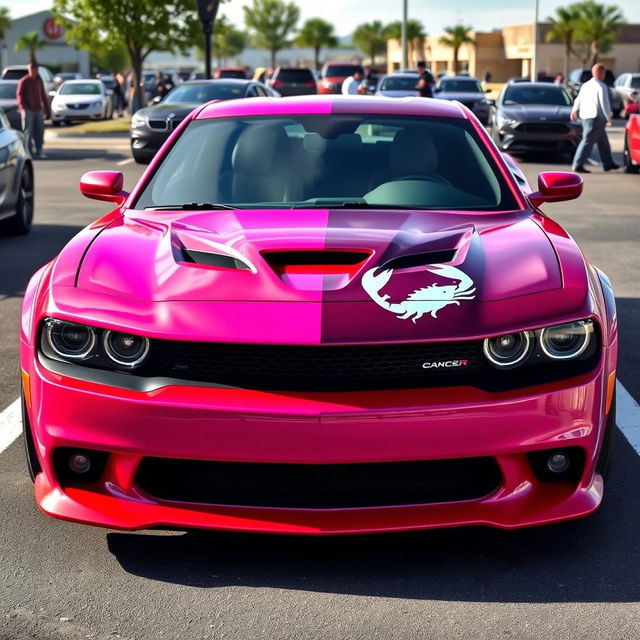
593, 108
351, 85
425, 81
34, 107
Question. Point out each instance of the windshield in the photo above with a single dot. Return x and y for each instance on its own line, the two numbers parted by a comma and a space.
80, 89
461, 86
551, 95
635, 82
294, 75
330, 160
14, 74
199, 93
398, 83
8, 91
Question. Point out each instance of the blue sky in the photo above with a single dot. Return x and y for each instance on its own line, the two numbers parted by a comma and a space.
483, 15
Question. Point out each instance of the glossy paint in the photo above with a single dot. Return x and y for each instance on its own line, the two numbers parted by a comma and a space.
632, 137
125, 272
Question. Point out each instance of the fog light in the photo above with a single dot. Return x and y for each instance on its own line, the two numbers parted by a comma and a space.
558, 462
79, 463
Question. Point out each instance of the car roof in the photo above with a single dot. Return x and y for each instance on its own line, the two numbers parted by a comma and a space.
332, 104
83, 80
228, 81
2, 81
545, 85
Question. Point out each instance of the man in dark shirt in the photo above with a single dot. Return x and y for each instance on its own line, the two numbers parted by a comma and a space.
425, 81
33, 103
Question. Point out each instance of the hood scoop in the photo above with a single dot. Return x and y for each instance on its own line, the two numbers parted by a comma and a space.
420, 259
316, 269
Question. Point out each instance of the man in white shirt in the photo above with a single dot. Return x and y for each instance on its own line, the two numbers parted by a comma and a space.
593, 108
351, 85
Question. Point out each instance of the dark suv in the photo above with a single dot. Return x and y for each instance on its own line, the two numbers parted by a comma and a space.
293, 81
579, 76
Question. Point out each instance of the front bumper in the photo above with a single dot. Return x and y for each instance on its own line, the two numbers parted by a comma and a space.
67, 113
526, 137
145, 143
197, 423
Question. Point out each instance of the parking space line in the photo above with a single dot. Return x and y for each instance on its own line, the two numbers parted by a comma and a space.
123, 162
628, 419
10, 424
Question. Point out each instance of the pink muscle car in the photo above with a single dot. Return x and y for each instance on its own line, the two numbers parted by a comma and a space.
321, 315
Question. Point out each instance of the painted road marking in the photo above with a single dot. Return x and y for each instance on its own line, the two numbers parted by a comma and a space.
628, 419
10, 424
123, 162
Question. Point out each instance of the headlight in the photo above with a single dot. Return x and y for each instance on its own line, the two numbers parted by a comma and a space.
509, 350
138, 121
566, 341
70, 340
507, 123
124, 348
98, 103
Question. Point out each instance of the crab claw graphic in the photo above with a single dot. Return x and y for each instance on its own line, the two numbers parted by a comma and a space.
372, 283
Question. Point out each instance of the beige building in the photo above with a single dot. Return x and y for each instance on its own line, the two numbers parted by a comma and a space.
509, 52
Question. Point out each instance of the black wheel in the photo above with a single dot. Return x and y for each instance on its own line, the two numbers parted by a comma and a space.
603, 467
20, 223
55, 123
616, 113
33, 464
629, 167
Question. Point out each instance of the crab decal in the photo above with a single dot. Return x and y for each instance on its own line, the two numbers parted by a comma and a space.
430, 299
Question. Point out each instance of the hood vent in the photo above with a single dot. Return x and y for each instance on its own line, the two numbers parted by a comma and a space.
421, 259
280, 260
213, 259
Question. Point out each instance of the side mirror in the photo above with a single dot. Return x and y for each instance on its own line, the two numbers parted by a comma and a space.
52, 93
157, 100
104, 185
556, 186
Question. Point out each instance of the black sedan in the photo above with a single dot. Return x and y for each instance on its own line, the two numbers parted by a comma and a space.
151, 126
9, 102
534, 116
16, 181
466, 90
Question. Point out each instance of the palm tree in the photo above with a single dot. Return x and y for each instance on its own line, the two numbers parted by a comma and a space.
598, 25
316, 33
564, 29
370, 38
415, 31
5, 24
458, 36
31, 41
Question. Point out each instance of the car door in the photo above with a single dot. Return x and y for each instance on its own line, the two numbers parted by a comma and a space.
9, 146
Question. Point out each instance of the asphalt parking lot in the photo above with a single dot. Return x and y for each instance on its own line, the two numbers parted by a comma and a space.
64, 581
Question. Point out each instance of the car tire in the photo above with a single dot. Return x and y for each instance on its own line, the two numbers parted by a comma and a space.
55, 123
20, 223
33, 464
616, 113
603, 466
629, 167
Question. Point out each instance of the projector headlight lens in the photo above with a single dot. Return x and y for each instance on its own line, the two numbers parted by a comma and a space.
566, 341
125, 349
508, 350
70, 340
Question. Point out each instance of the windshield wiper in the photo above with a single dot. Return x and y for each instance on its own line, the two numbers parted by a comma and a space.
190, 206
354, 205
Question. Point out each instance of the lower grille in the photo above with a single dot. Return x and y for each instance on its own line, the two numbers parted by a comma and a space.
331, 486
159, 125
543, 127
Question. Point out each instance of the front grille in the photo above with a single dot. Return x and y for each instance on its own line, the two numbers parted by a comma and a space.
78, 106
543, 127
328, 368
158, 125
173, 124
319, 486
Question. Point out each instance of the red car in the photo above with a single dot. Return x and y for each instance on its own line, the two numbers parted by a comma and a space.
321, 315
333, 74
631, 151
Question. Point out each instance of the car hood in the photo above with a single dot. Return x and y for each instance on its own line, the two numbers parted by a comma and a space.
397, 94
162, 111
363, 275
462, 96
78, 97
550, 113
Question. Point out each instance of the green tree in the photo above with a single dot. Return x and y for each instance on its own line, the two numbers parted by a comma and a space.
109, 58
142, 26
316, 33
458, 35
370, 39
564, 27
227, 40
271, 23
5, 24
597, 26
32, 42
415, 33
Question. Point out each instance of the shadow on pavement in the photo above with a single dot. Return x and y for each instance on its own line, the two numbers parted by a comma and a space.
629, 344
75, 154
23, 255
596, 559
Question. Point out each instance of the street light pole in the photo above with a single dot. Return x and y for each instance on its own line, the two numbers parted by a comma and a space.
534, 57
403, 36
207, 9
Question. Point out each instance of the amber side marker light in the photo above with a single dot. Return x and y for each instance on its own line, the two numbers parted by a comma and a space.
27, 388
611, 389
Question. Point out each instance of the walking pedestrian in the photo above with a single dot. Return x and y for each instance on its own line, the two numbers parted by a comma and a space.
593, 108
34, 107
351, 86
425, 81
119, 102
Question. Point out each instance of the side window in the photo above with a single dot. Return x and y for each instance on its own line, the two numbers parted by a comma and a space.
252, 92
261, 91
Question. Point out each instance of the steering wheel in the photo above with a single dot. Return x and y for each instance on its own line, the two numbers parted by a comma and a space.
432, 177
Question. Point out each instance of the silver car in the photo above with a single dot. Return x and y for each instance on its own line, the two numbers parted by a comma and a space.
625, 85
78, 100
